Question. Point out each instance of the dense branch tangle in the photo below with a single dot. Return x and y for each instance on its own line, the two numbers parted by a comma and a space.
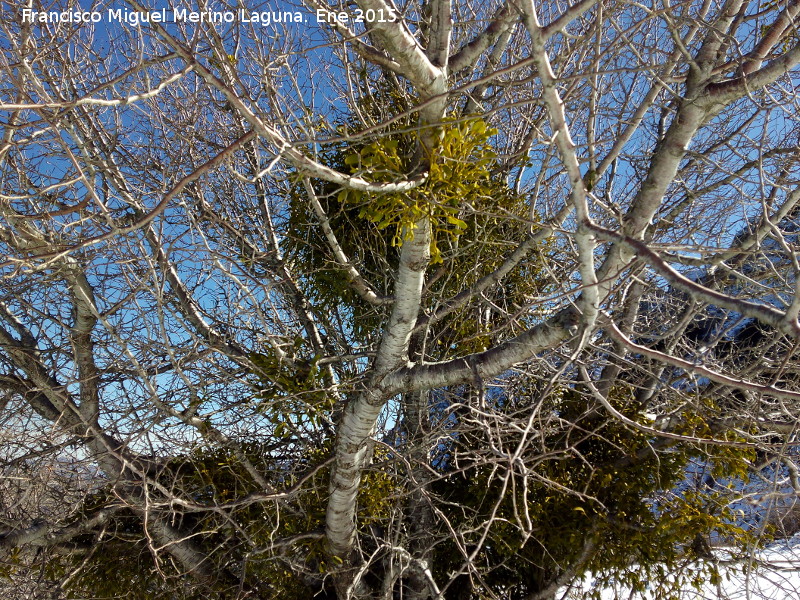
363, 309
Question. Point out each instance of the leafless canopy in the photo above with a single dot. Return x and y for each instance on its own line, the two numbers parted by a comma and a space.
370, 307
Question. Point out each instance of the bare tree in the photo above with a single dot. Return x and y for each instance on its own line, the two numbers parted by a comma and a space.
419, 300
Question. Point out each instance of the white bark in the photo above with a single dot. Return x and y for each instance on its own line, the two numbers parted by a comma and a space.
358, 422
590, 298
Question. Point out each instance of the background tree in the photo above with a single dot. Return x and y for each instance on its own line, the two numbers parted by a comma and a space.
449, 300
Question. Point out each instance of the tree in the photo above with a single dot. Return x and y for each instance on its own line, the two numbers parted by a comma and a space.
438, 300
